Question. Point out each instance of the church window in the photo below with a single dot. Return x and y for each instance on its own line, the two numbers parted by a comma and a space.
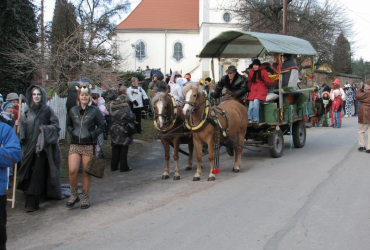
177, 51
226, 17
140, 50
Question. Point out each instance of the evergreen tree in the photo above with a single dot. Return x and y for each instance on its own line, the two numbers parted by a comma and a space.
342, 55
63, 36
17, 26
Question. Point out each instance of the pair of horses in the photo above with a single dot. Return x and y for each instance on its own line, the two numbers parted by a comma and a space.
196, 114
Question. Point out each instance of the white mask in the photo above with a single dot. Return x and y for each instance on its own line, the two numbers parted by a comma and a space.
36, 96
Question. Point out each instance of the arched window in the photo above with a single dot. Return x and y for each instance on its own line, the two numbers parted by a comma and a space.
177, 51
140, 52
227, 17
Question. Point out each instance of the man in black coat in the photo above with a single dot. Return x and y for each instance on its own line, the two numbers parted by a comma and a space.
235, 83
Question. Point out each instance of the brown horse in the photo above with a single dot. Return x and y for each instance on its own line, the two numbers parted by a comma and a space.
234, 125
169, 121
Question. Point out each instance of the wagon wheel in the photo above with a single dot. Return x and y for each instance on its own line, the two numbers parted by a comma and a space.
299, 134
276, 143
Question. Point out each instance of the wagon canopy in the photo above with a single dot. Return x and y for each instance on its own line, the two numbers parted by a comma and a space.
243, 44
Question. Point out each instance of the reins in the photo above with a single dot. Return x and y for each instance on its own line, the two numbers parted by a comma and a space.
170, 121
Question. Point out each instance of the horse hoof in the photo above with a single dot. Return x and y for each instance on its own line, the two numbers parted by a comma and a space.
176, 178
188, 168
236, 170
165, 177
196, 179
211, 178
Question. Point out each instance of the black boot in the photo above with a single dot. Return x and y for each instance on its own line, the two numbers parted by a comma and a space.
123, 167
32, 203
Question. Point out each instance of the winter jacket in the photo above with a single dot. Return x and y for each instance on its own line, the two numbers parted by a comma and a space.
85, 129
29, 125
136, 93
101, 105
10, 154
363, 96
122, 122
341, 93
258, 89
337, 103
72, 95
238, 85
158, 86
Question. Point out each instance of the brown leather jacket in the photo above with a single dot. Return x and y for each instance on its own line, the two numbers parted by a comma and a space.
363, 96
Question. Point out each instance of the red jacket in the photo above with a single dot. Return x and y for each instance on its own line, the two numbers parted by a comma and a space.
258, 90
338, 103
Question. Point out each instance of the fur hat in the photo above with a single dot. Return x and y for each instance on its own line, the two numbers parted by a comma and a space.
256, 62
84, 88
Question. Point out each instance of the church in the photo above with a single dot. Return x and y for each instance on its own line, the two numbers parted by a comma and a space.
169, 34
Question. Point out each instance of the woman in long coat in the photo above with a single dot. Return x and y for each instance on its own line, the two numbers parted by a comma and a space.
39, 135
122, 128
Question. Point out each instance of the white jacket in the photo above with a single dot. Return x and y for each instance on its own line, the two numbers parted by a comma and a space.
137, 94
176, 92
341, 92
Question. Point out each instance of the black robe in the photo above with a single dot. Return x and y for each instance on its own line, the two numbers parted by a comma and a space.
30, 136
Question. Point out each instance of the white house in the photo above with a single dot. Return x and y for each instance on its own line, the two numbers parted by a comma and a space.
169, 34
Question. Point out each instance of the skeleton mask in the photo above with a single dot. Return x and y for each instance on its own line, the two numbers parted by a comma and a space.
36, 96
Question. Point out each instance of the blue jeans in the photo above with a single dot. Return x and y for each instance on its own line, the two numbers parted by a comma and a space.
336, 119
254, 110
357, 103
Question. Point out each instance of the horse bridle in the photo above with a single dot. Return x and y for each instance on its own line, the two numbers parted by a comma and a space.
188, 122
171, 120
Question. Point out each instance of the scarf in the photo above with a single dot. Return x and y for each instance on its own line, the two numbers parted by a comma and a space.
255, 75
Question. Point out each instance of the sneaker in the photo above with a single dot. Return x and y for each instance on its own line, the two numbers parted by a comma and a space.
255, 121
249, 121
362, 149
345, 116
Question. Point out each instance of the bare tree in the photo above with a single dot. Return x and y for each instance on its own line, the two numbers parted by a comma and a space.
318, 22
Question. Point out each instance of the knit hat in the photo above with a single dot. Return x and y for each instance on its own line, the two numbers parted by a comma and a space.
256, 62
336, 92
336, 81
11, 97
6, 105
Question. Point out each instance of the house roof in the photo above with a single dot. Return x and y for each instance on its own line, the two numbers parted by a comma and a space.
163, 15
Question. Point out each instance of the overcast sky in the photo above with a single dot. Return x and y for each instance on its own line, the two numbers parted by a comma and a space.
358, 11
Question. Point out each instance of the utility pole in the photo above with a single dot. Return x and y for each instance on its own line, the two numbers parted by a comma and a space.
285, 7
42, 45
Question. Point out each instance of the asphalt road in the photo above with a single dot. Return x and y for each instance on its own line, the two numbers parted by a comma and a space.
317, 197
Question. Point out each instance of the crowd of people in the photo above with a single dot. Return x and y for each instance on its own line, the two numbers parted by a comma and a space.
36, 148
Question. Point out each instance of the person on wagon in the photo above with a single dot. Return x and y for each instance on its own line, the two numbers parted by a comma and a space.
234, 82
258, 82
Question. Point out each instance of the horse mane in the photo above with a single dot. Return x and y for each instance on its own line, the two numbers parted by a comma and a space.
193, 85
157, 97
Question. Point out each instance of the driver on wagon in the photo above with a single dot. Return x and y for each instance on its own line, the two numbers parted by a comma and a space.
234, 82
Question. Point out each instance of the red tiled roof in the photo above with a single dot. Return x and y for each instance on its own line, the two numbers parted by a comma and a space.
163, 15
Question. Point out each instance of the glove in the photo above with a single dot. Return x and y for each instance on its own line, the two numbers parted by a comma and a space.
136, 103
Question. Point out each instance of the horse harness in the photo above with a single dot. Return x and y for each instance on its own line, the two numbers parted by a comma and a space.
171, 121
210, 115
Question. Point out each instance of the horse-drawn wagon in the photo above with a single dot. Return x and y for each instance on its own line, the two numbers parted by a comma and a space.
280, 117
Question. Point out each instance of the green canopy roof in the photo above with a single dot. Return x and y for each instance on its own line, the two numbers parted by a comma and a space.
243, 44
